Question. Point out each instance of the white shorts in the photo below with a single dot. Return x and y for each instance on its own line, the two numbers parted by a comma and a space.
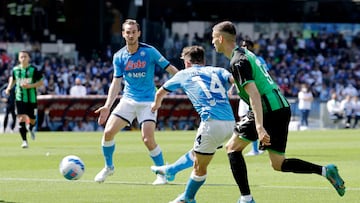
129, 109
211, 135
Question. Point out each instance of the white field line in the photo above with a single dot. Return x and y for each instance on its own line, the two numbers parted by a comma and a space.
144, 183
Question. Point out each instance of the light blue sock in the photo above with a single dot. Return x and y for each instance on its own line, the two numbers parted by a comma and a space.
157, 156
108, 148
255, 146
193, 185
184, 162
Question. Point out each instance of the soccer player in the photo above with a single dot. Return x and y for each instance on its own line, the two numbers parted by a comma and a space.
134, 64
268, 120
27, 78
244, 107
187, 160
206, 88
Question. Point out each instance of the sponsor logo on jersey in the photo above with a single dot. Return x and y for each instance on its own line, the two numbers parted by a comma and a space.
24, 81
136, 74
132, 65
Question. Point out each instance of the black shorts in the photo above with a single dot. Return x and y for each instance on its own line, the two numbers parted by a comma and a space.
276, 123
26, 108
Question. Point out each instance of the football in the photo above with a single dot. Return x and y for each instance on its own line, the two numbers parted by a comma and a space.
72, 167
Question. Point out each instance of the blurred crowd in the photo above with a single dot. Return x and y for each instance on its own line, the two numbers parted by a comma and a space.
325, 62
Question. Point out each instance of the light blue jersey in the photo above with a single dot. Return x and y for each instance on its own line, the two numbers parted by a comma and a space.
207, 89
138, 71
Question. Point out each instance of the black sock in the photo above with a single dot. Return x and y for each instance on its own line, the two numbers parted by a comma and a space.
239, 171
300, 166
31, 126
23, 130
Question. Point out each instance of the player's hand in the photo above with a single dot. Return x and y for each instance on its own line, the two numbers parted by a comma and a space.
264, 137
155, 107
26, 85
7, 91
104, 113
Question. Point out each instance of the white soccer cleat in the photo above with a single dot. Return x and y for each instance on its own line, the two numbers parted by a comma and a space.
253, 153
160, 180
162, 170
24, 144
181, 199
103, 174
159, 169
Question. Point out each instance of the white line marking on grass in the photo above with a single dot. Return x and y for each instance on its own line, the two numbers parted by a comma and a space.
144, 183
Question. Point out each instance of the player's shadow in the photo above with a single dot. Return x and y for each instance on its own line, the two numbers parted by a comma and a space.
4, 201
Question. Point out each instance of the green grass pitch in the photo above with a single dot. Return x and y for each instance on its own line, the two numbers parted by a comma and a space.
32, 175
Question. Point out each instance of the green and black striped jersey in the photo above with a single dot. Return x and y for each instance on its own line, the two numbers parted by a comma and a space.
245, 68
30, 75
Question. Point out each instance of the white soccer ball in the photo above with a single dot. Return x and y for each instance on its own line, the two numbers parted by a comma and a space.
72, 167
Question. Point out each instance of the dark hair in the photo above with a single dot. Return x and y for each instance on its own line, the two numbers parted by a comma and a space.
225, 26
25, 51
248, 44
195, 54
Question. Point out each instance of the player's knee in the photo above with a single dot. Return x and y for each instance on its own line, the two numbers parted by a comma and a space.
22, 119
108, 135
229, 147
150, 143
235, 145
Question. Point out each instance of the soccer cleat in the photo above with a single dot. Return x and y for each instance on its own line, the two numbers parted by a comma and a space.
24, 144
160, 180
103, 174
162, 170
181, 199
244, 201
254, 153
333, 176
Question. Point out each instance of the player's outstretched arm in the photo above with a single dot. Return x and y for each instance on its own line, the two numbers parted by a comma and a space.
113, 93
172, 69
160, 94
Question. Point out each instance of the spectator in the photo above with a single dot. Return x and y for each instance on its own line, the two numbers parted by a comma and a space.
78, 90
324, 94
350, 90
65, 125
79, 127
347, 107
61, 88
88, 124
47, 124
334, 108
356, 110
305, 99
